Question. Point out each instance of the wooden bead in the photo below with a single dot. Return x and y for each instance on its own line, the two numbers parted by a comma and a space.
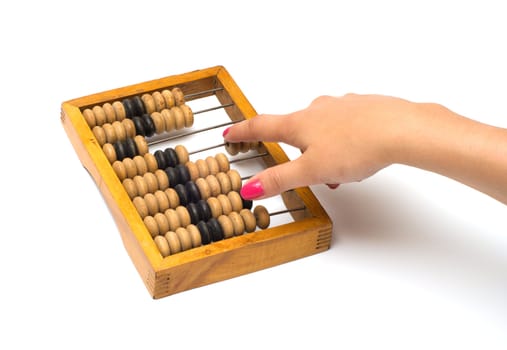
215, 206
261, 217
119, 130
130, 187
202, 167
172, 218
110, 113
232, 148
130, 128
159, 101
184, 237
168, 98
174, 242
179, 97
236, 201
227, 226
162, 245
149, 103
188, 114
110, 153
213, 166
151, 182
183, 215
223, 162
100, 115
248, 219
120, 170
89, 117
151, 225
204, 189
109, 132
195, 236
151, 162
182, 153
162, 179
163, 224
169, 120
192, 170
140, 164
142, 145
151, 203
236, 182
158, 121
179, 117
171, 194
214, 185
237, 223
162, 200
141, 206
130, 167
142, 187
225, 182
225, 203
119, 110
100, 134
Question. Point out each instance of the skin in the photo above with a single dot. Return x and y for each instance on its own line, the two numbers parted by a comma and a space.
350, 138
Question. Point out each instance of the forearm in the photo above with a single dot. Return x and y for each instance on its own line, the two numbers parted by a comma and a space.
470, 152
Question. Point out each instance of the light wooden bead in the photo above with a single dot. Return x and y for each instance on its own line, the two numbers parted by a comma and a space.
204, 189
225, 182
142, 187
120, 170
162, 245
227, 226
184, 237
237, 223
119, 130
215, 206
151, 182
225, 203
169, 120
248, 219
236, 202
151, 162
142, 145
158, 120
182, 153
192, 170
214, 185
151, 225
195, 236
119, 110
261, 217
130, 128
162, 179
159, 101
110, 153
232, 148
151, 203
100, 134
179, 97
213, 166
149, 103
223, 162
168, 98
188, 114
110, 133
202, 167
162, 200
163, 224
141, 206
236, 182
183, 215
109, 111
100, 116
174, 242
130, 187
130, 167
172, 195
89, 117
140, 164
179, 117
172, 218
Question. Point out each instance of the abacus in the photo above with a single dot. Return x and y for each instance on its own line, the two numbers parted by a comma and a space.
177, 207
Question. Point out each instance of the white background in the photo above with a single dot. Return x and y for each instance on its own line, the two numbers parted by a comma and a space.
417, 261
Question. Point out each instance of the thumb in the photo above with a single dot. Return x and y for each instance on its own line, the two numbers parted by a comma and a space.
277, 179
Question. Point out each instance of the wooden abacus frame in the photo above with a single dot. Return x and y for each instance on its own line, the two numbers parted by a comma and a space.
310, 233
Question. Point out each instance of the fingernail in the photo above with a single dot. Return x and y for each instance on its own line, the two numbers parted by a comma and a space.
252, 190
333, 186
226, 131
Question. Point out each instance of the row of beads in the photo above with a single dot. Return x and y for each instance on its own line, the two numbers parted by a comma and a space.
134, 106
155, 199
182, 238
175, 118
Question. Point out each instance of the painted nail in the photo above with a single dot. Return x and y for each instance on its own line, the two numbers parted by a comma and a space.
252, 190
333, 186
226, 131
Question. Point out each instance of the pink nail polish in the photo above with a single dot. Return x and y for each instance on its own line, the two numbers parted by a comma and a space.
333, 186
252, 190
226, 131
